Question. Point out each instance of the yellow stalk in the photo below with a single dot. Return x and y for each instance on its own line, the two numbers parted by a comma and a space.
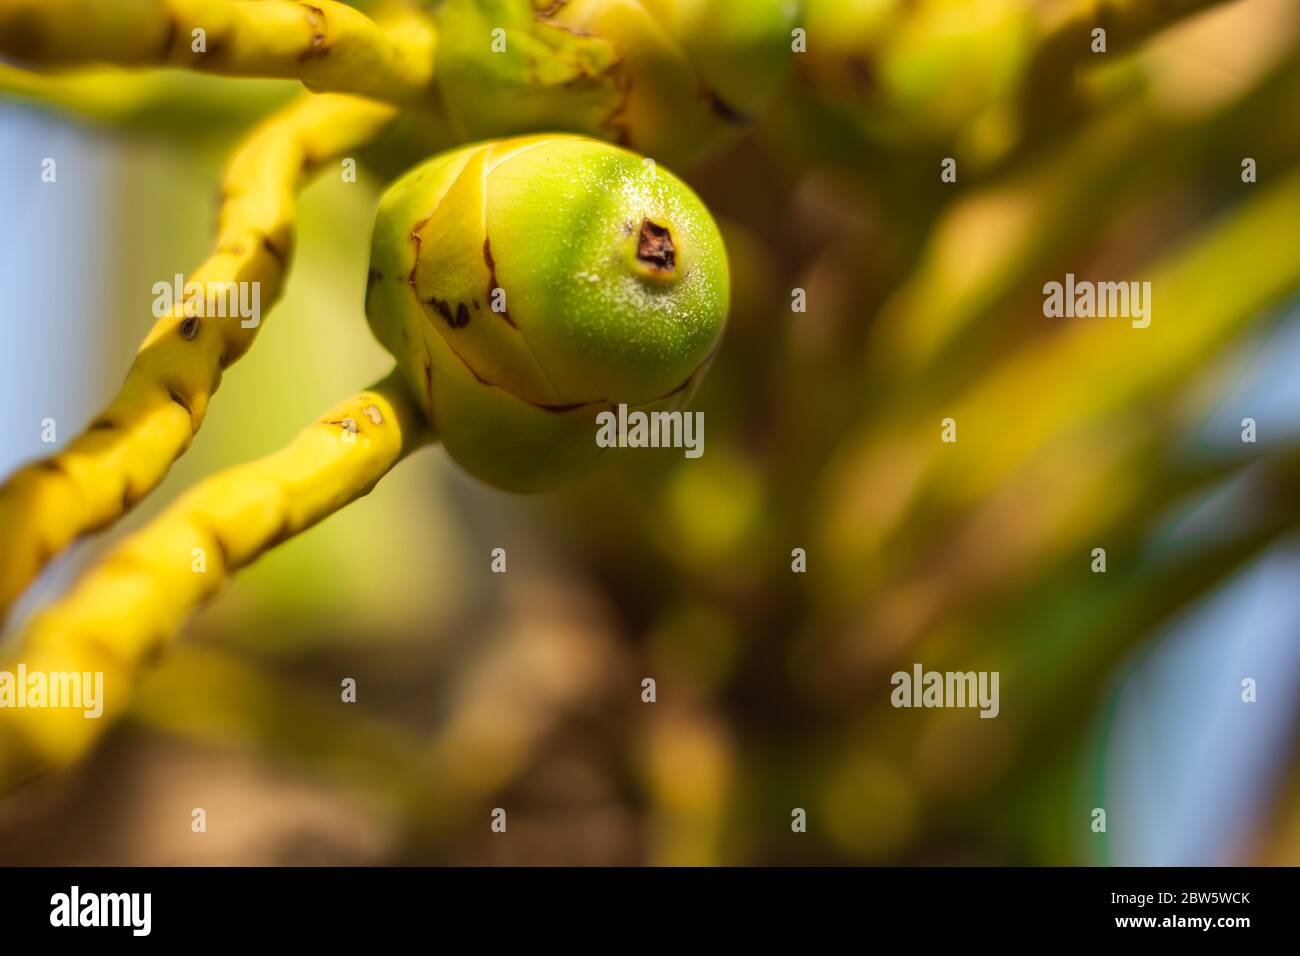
128, 449
330, 47
124, 611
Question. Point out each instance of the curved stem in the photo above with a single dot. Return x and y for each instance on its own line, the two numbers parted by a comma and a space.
124, 611
128, 449
193, 106
329, 46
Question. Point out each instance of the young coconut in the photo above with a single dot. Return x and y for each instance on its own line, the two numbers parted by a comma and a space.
674, 79
526, 285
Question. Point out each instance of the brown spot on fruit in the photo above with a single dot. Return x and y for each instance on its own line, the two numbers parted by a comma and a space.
189, 328
655, 247
492, 285
457, 319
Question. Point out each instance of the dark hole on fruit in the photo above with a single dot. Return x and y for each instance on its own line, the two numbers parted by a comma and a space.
655, 247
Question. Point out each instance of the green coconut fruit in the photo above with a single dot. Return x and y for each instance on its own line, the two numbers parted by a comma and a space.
526, 285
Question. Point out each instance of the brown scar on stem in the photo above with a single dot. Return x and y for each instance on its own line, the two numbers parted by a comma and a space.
373, 413
655, 247
316, 21
276, 252
52, 465
347, 424
177, 395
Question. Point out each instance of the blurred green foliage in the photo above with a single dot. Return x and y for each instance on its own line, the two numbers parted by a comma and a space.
924, 301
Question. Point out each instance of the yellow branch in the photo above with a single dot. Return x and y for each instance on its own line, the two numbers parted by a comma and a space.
193, 106
330, 47
128, 449
123, 613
